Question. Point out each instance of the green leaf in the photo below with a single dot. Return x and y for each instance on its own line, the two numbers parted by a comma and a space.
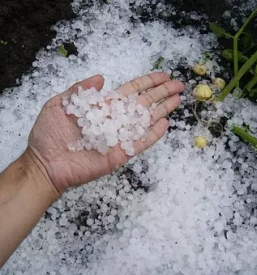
251, 71
229, 55
3, 42
255, 69
62, 51
219, 31
207, 57
241, 57
250, 85
246, 40
253, 92
157, 63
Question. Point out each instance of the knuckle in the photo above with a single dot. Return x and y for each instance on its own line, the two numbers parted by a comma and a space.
149, 98
165, 109
167, 87
152, 79
135, 85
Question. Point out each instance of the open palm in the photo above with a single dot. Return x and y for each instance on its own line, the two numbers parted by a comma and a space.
54, 131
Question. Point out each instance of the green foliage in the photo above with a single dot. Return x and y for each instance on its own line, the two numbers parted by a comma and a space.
62, 51
3, 42
246, 40
253, 92
249, 88
245, 68
229, 55
219, 31
207, 57
157, 63
236, 56
236, 38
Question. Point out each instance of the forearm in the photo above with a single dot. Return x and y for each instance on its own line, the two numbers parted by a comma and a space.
25, 195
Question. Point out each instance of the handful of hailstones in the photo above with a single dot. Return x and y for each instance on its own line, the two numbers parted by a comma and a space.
107, 119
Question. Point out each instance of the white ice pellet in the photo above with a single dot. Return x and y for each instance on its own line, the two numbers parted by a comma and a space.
63, 221
127, 188
65, 102
130, 152
119, 225
122, 239
90, 222
114, 212
88, 146
105, 125
112, 141
150, 161
127, 224
172, 122
111, 219
102, 148
80, 122
70, 109
226, 164
107, 237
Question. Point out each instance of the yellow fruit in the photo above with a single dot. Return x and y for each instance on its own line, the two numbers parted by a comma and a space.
200, 69
202, 92
219, 83
200, 142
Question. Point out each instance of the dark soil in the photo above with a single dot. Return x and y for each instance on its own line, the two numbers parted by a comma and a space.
25, 27
214, 9
181, 18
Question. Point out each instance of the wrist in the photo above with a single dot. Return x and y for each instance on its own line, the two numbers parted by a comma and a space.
25, 195
37, 173
26, 173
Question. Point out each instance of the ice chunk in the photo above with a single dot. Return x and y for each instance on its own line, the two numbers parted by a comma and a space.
102, 148
112, 141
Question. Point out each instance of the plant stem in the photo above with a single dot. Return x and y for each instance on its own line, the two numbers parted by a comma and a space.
248, 64
253, 92
245, 136
236, 37
250, 84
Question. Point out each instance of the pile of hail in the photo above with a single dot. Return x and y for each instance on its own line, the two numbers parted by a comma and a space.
107, 119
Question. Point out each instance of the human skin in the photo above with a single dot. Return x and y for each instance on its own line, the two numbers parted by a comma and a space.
47, 167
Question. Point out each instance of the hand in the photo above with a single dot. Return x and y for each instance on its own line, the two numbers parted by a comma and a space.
54, 131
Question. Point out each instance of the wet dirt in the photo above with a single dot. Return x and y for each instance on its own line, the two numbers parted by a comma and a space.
25, 27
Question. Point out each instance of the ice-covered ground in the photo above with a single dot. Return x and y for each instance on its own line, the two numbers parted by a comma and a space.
173, 210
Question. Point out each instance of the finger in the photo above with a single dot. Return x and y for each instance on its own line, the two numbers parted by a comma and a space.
165, 108
138, 85
153, 135
161, 92
96, 81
